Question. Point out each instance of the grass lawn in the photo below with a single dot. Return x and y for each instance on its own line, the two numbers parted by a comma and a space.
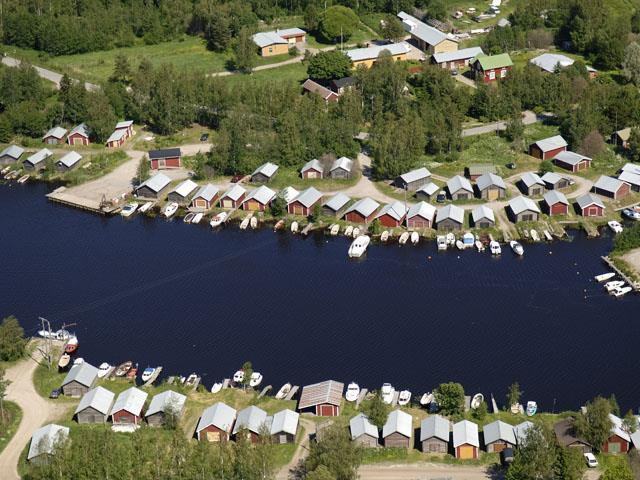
45, 379
186, 136
8, 429
290, 177
296, 72
99, 164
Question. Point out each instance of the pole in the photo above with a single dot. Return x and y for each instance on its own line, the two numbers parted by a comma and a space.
47, 342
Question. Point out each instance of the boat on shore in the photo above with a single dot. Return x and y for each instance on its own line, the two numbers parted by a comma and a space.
294, 227
64, 361
129, 209
387, 393
255, 380
216, 387
403, 238
278, 226
479, 246
517, 408
170, 210
188, 217
415, 238
621, 291
516, 247
146, 207
245, 222
460, 245
495, 248
253, 222
534, 235
348, 230
78, 361
532, 408
385, 236
353, 390
630, 213
284, 391
123, 368
238, 377
197, 218
103, 369
441, 241
191, 380
72, 345
426, 398
132, 373
23, 179
147, 373
5, 170
359, 246
604, 276
356, 232
476, 401
335, 229
612, 285
404, 398
218, 219
451, 239
615, 226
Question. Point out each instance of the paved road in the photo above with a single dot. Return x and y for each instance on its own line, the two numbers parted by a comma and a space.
528, 118
426, 471
45, 73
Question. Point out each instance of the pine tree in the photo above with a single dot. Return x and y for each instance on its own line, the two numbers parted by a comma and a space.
218, 33
245, 52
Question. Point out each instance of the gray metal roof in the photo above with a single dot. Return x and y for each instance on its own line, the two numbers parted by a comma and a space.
498, 430
482, 211
435, 426
608, 184
329, 391
312, 165
457, 55
417, 174
430, 188
465, 432
421, 30
45, 439
395, 210
56, 132
631, 167
252, 418
617, 427
338, 201
82, 129
39, 156
521, 204
459, 183
589, 199
85, 374
450, 211
360, 425
490, 180
365, 206
98, 398
234, 193
167, 399
551, 177
530, 179
520, 431
12, 151
261, 194
630, 177
285, 421
264, 39
290, 32
124, 124
373, 52
288, 193
398, 422
156, 183
116, 135
423, 209
554, 196
551, 143
549, 61
267, 169
219, 415
343, 163
207, 192
186, 188
570, 158
131, 400
308, 197
70, 159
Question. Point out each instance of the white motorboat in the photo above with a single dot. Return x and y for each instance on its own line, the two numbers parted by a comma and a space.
359, 246
348, 231
468, 240
356, 232
385, 236
238, 377
451, 239
253, 222
387, 392
415, 238
477, 399
191, 380
334, 230
103, 369
495, 248
615, 226
534, 235
611, 286
218, 219
294, 227
631, 214
145, 208
284, 391
353, 390
245, 223
621, 291
516, 247
57, 335
404, 397
216, 387
604, 276
441, 241
129, 209
532, 408
255, 380
460, 245
147, 373
78, 361
427, 398
479, 246
170, 209
403, 238
517, 408
188, 217
197, 217
5, 170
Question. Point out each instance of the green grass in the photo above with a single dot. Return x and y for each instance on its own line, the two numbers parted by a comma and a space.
45, 379
14, 414
99, 165
290, 177
296, 72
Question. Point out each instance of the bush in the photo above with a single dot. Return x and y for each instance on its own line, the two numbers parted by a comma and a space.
12, 341
338, 21
627, 240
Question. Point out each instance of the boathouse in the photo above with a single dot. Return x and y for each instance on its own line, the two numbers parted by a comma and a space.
336, 205
476, 170
183, 192
574, 162
556, 203
396, 432
490, 68
341, 168
252, 420
421, 215
483, 217
548, 148
413, 180
363, 432
68, 162
126, 127
428, 39
95, 405
619, 441
165, 158
79, 135
304, 202
520, 431
621, 137
127, 410
153, 187
79, 380
457, 59
323, 399
284, 426
259, 199
532, 184
491, 186
450, 217
309, 86
567, 437
312, 169
165, 404
233, 197
116, 139
11, 154
523, 209
264, 173
363, 211
288, 194
611, 187
37, 161
434, 434
427, 192
206, 197
553, 181
465, 440
459, 188
216, 423
44, 442
55, 136
392, 214
633, 179
631, 167
498, 435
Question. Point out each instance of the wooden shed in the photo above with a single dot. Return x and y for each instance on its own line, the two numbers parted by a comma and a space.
163, 404
421, 216
11, 154
44, 442
427, 192
125, 126
466, 443
523, 209
165, 158
79, 135
312, 169
253, 421
258, 200
206, 197
183, 192
556, 203
498, 435
117, 139
490, 68
413, 180
95, 405
341, 169
264, 173
68, 162
363, 432
392, 214
216, 423
553, 181
574, 162
396, 432
483, 217
127, 409
548, 148
79, 380
611, 187
233, 197
567, 437
284, 426
532, 184
363, 211
621, 137
619, 441
589, 205
154, 187
37, 161
323, 399
459, 188
491, 187
449, 217
434, 434
304, 203
336, 205
55, 136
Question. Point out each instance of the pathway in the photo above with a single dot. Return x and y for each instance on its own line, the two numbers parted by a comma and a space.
528, 118
308, 428
45, 73
466, 81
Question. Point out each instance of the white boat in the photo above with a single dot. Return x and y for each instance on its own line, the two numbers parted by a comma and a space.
451, 239
78, 361
197, 217
238, 377
404, 398
516, 247
532, 408
611, 286
548, 236
534, 235
23, 179
477, 399
479, 246
348, 231
615, 226
255, 380
103, 369
415, 238
147, 373
245, 223
387, 392
145, 208
605, 276
57, 335
403, 238
218, 219
385, 236
284, 391
170, 209
253, 222
359, 246
495, 248
356, 232
621, 291
5, 170
188, 217
441, 241
278, 226
334, 230
427, 398
460, 245
468, 240
216, 387
191, 380
517, 408
294, 227
353, 390
129, 209
627, 212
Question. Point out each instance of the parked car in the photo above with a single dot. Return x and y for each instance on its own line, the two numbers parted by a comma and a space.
454, 71
236, 178
441, 197
591, 460
55, 393
204, 137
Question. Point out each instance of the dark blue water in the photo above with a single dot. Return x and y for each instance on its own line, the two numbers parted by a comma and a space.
191, 299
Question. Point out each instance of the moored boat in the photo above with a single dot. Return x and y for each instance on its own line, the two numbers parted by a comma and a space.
218, 219
387, 393
615, 226
147, 373
334, 230
103, 369
71, 345
348, 231
356, 232
460, 245
123, 368
294, 227
403, 238
353, 390
621, 291
385, 236
245, 222
238, 377
216, 387
630, 213
404, 397
477, 399
604, 276
534, 235
188, 217
451, 239
278, 226
253, 223
23, 179
415, 238
359, 246
78, 361
57, 335
129, 209
426, 398
468, 240
132, 373
441, 241
170, 209
64, 361
197, 217
532, 408
516, 247
145, 208
479, 246
255, 380
284, 391
611, 286
191, 380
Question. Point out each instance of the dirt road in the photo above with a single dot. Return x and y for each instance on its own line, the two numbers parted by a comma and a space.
45, 73
308, 428
528, 118
426, 471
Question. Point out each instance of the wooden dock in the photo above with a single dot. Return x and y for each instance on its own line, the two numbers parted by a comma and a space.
225, 383
292, 392
361, 396
307, 229
153, 378
494, 405
62, 196
265, 390
591, 229
621, 274
394, 402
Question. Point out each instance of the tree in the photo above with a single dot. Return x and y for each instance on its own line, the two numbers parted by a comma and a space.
570, 464
320, 473
329, 65
316, 212
536, 456
12, 341
6, 133
247, 368
311, 17
245, 52
594, 425
450, 398
278, 207
481, 412
545, 166
618, 471
143, 169
514, 394
121, 70
338, 23
631, 63
336, 452
218, 33
392, 28
615, 408
630, 422
375, 227
4, 384
634, 144
100, 116
514, 130
376, 410
592, 145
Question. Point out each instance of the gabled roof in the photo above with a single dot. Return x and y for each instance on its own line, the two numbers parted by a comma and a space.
308, 197
630, 177
290, 32
421, 30
85, 374
314, 87
398, 422
81, 129
451, 211
624, 134
465, 432
124, 124
422, 209
39, 156
70, 159
267, 169
99, 399
395, 210
477, 169
234, 193
252, 418
554, 196
285, 421
264, 39
186, 188
343, 163
490, 180
608, 184
482, 211
459, 183
56, 132
530, 179
429, 189
434, 426
12, 151
165, 153
288, 193
491, 62
156, 183
131, 400
566, 434
520, 431
220, 415
360, 425
371, 53
551, 177
499, 430
312, 165
261, 195
631, 167
116, 136
551, 143
549, 61
521, 204
165, 400
207, 192
617, 428
343, 82
365, 207
570, 158
457, 55
328, 391
589, 199
414, 175
45, 438
337, 202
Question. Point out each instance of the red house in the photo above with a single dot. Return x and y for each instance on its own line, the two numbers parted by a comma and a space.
259, 199
590, 206
117, 139
312, 169
55, 136
363, 211
611, 187
323, 399
165, 158
392, 214
619, 440
126, 127
233, 197
556, 202
80, 135
490, 68
421, 215
127, 409
548, 148
304, 203
206, 197
571, 161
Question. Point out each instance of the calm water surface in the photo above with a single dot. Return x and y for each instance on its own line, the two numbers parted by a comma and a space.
191, 299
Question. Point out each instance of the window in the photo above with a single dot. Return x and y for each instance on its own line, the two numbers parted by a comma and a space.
270, 49
503, 73
492, 75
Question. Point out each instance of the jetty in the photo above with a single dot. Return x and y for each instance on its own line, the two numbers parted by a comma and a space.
65, 196
494, 405
153, 378
226, 382
633, 284
361, 396
307, 229
394, 402
264, 391
292, 392
591, 230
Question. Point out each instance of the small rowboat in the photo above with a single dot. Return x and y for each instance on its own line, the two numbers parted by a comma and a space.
348, 231
255, 380
218, 219
23, 179
216, 387
615, 226
613, 285
532, 408
245, 223
385, 236
279, 225
426, 399
144, 208
188, 217
479, 246
170, 210
415, 238
294, 227
442, 242
284, 391
605, 276
404, 398
335, 230
516, 247
123, 368
64, 361
131, 374
72, 345
477, 399
197, 217
356, 232
621, 291
403, 238
353, 390
253, 222
238, 377
534, 235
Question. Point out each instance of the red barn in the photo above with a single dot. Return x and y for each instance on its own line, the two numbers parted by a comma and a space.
126, 127
55, 136
556, 202
259, 199
590, 206
80, 135
206, 197
421, 215
363, 211
392, 214
165, 158
571, 161
216, 422
323, 399
117, 139
312, 169
127, 409
490, 68
304, 203
619, 440
233, 197
548, 148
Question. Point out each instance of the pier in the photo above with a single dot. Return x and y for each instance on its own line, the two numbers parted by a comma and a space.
633, 284
264, 391
63, 196
292, 392
361, 396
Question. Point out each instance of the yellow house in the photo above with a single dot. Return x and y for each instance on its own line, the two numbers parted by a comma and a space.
368, 56
428, 39
278, 42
